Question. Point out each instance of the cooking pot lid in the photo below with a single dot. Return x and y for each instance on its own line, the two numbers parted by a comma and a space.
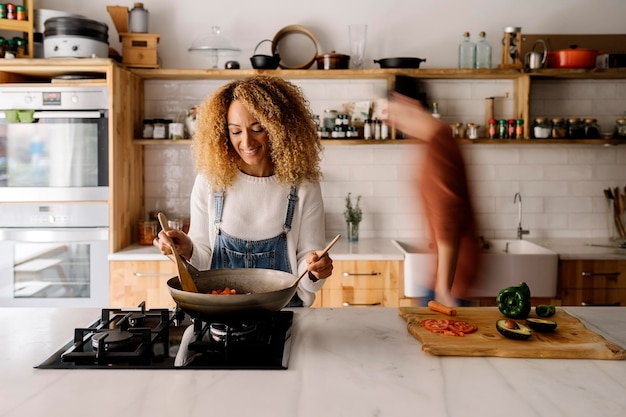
76, 26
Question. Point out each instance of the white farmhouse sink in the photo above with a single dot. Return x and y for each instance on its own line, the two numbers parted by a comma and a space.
507, 262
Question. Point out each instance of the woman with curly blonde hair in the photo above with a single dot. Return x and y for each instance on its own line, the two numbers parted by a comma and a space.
256, 201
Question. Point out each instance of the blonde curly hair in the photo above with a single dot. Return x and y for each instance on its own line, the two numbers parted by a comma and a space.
282, 110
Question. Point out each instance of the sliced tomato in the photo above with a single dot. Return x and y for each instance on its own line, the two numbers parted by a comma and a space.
435, 324
463, 327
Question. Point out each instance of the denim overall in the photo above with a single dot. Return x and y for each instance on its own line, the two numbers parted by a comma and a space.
232, 252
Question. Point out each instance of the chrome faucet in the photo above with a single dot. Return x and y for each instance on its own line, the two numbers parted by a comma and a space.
520, 231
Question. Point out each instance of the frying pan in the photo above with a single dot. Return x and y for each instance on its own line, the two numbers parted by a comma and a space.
258, 290
399, 62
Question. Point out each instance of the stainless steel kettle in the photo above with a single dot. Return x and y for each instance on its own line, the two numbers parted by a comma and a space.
536, 60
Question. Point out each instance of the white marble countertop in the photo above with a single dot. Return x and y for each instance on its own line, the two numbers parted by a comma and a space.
374, 249
344, 362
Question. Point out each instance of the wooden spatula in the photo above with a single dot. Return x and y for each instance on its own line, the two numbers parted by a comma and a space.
186, 282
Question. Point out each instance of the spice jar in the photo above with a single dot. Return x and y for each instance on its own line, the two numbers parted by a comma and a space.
502, 129
146, 231
542, 129
592, 129
455, 128
620, 129
20, 12
519, 129
148, 128
559, 128
575, 128
472, 131
11, 12
510, 128
492, 130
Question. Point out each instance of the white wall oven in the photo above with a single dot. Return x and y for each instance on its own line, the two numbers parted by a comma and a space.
54, 196
54, 255
53, 143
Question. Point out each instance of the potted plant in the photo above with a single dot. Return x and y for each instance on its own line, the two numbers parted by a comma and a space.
353, 215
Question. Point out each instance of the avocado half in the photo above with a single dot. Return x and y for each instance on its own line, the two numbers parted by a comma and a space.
541, 325
521, 333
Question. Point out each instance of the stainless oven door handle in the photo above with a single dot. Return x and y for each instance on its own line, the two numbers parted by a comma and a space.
67, 115
54, 235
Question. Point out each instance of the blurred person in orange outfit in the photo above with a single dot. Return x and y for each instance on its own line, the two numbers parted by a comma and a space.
446, 200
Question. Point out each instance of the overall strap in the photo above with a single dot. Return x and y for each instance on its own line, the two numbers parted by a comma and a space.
291, 206
218, 199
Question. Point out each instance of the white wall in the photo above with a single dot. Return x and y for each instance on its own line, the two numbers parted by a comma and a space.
415, 28
561, 185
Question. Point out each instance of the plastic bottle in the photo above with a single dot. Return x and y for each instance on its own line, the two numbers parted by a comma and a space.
483, 52
467, 52
138, 19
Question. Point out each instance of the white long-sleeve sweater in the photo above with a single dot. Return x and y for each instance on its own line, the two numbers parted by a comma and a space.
255, 209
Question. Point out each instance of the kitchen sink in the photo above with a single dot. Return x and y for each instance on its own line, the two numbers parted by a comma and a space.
504, 263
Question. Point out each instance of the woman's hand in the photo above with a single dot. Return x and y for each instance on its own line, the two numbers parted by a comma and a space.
182, 242
320, 268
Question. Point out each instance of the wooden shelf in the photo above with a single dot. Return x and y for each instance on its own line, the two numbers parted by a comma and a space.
24, 26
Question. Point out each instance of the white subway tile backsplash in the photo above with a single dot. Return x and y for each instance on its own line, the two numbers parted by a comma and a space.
561, 185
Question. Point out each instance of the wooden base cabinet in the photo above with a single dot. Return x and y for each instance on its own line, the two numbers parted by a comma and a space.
363, 284
592, 282
135, 281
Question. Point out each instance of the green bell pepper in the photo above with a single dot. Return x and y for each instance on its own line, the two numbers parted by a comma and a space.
514, 302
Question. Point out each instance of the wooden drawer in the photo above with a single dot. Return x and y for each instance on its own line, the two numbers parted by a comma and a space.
594, 297
592, 274
135, 281
363, 284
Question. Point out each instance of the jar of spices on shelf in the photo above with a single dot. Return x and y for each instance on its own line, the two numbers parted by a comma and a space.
575, 128
510, 128
11, 12
20, 12
620, 129
472, 131
592, 129
519, 129
377, 129
492, 130
502, 129
3, 11
559, 128
456, 130
542, 128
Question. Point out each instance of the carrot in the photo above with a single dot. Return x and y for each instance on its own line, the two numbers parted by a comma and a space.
440, 308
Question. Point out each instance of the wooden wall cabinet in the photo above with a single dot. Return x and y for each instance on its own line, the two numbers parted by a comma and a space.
135, 281
592, 282
363, 284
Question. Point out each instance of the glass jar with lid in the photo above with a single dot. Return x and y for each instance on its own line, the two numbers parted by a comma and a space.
559, 128
542, 128
575, 128
472, 131
592, 129
620, 129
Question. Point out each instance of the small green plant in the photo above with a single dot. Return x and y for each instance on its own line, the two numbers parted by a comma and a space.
353, 214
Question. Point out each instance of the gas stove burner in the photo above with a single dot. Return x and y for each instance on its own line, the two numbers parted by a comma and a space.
111, 339
221, 332
136, 319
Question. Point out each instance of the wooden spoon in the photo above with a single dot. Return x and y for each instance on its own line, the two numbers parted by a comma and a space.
320, 255
186, 282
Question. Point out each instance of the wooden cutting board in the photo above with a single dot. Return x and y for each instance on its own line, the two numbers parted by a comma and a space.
570, 340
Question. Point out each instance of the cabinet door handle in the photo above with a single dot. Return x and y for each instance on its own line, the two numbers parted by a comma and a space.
348, 304
370, 274
610, 275
151, 274
615, 304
